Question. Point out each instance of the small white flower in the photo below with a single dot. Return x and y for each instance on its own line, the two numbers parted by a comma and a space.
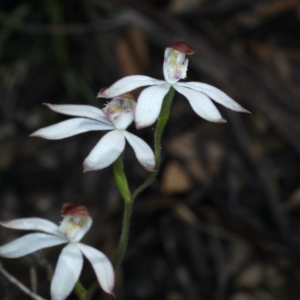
174, 68
74, 226
116, 116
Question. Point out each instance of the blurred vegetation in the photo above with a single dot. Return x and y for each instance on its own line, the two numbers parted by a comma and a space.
222, 219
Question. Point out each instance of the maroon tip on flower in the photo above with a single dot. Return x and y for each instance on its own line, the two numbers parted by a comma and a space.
74, 210
101, 91
183, 48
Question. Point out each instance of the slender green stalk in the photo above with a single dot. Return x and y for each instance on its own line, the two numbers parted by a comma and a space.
161, 123
124, 235
122, 184
92, 289
121, 179
80, 291
121, 248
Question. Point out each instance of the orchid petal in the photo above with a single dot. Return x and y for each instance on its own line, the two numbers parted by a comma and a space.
32, 224
127, 84
201, 104
143, 152
84, 111
69, 128
215, 94
102, 267
149, 104
67, 272
30, 243
124, 119
105, 152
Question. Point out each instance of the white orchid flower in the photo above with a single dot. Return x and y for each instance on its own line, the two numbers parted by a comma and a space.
75, 224
174, 68
116, 116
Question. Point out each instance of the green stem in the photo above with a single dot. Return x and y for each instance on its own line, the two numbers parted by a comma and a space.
121, 179
80, 291
124, 235
161, 123
122, 184
92, 289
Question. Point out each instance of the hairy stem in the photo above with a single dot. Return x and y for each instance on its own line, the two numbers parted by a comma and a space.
124, 235
122, 184
161, 123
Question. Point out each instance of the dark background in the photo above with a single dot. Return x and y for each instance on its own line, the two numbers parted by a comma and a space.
222, 219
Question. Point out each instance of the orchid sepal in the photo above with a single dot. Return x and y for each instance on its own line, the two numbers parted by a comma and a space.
70, 262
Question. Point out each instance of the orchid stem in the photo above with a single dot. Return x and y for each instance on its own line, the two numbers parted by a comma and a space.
124, 235
121, 179
80, 291
92, 289
161, 123
122, 184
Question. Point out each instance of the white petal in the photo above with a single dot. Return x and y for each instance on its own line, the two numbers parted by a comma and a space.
85, 111
69, 128
32, 224
149, 105
143, 152
215, 94
127, 84
67, 272
105, 152
102, 267
30, 243
201, 104
124, 119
